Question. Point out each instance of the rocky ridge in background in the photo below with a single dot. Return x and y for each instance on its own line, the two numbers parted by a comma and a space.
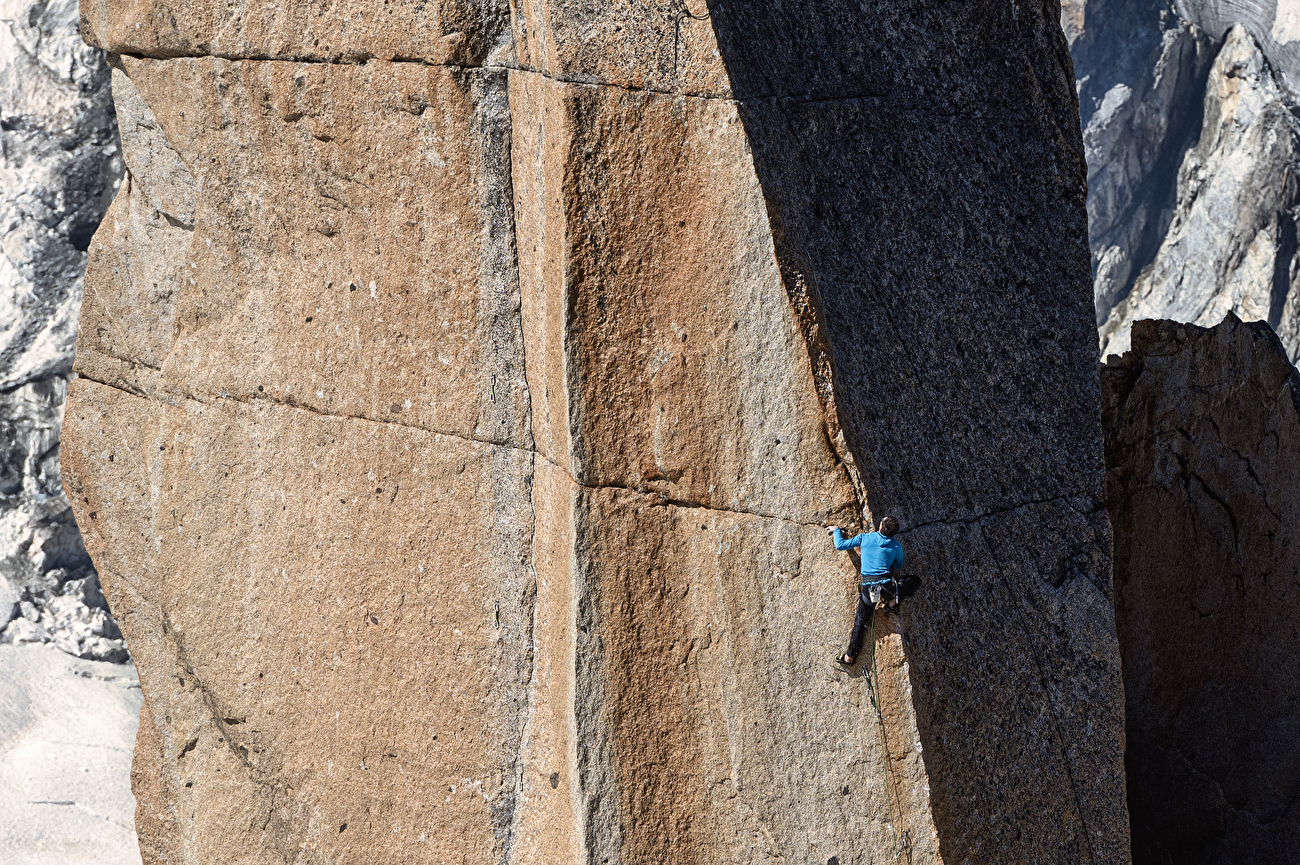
498, 401
1193, 149
59, 172
66, 723
1203, 489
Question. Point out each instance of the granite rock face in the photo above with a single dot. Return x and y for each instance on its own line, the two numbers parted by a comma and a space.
1203, 489
1189, 111
58, 173
1141, 73
455, 437
1231, 244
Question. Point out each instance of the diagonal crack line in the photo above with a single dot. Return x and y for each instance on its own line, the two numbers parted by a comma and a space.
667, 501
1250, 467
258, 775
661, 498
213, 398
878, 98
121, 582
963, 521
362, 60
273, 787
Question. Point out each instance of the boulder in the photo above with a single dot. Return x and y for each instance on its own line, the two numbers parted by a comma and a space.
1203, 490
70, 613
456, 432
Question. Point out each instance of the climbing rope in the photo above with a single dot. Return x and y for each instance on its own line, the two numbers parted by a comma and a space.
682, 14
891, 793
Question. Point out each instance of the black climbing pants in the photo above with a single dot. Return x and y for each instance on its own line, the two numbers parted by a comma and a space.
861, 622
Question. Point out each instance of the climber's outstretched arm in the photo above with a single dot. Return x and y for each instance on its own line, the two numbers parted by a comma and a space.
840, 542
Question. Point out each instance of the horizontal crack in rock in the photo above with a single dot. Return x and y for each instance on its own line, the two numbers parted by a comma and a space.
789, 99
961, 521
661, 499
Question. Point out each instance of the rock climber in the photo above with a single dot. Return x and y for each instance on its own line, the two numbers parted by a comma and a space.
880, 554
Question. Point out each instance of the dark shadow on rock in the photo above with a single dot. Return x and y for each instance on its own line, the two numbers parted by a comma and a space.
924, 178
1202, 452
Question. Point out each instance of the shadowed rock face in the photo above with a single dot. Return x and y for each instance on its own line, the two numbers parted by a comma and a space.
1203, 489
456, 440
924, 217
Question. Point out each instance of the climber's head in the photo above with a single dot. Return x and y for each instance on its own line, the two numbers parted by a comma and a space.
888, 526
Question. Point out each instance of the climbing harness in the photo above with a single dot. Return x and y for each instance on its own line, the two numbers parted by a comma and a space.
889, 589
874, 591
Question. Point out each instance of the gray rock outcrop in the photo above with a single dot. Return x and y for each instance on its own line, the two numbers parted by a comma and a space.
58, 172
66, 723
1141, 75
1189, 113
1231, 242
1203, 491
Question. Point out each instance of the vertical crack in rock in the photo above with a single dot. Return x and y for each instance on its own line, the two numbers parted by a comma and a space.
597, 766
805, 304
501, 315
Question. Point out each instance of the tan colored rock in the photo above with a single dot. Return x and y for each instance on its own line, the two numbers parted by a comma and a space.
508, 406
1203, 488
365, 280
447, 32
284, 710
644, 366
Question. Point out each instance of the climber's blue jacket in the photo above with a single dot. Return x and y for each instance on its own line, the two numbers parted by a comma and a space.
879, 553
